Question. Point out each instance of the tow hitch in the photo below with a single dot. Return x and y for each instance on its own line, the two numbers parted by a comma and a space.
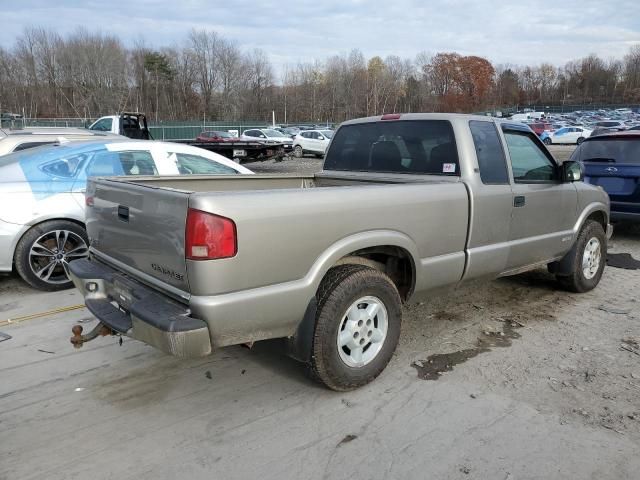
99, 330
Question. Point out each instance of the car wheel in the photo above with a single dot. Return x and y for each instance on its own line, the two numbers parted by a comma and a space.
357, 326
44, 252
587, 259
547, 141
580, 140
297, 151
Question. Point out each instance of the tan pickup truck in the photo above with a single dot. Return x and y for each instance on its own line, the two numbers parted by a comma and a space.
404, 204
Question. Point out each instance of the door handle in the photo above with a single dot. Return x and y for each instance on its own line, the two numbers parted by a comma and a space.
123, 213
519, 201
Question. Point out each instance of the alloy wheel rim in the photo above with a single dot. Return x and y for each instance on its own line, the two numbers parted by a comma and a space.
591, 258
50, 254
362, 332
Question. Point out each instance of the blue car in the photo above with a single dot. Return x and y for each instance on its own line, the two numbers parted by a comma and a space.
612, 161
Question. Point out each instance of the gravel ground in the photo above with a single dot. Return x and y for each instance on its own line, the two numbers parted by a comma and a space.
510, 379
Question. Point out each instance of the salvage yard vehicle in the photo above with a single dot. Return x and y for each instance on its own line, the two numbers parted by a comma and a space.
566, 135
269, 135
612, 161
42, 200
312, 141
16, 140
128, 124
404, 204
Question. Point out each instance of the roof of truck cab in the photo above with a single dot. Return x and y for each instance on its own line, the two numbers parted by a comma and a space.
425, 116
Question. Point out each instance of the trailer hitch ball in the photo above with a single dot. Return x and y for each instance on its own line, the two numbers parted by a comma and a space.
78, 339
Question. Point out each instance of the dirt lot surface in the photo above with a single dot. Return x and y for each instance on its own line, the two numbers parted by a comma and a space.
511, 379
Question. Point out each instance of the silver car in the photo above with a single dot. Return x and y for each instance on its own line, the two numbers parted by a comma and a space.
42, 197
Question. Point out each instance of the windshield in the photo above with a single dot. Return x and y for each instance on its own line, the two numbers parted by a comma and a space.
327, 133
273, 133
222, 134
615, 149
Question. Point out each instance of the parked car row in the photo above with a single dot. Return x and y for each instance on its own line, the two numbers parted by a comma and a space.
575, 127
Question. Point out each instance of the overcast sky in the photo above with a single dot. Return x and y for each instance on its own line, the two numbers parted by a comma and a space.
522, 32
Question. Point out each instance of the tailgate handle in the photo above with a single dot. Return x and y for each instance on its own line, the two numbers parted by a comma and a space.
519, 201
123, 213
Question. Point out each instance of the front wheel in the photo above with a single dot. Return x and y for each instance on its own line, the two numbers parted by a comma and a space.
44, 252
357, 326
587, 259
297, 151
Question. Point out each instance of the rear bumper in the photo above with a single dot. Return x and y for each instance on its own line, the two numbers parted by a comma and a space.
143, 314
625, 216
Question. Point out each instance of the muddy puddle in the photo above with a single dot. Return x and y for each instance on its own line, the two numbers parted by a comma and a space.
435, 365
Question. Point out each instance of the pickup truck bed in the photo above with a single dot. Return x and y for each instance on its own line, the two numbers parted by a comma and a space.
401, 208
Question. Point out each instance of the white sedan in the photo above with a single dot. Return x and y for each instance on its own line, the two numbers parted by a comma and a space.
312, 141
42, 197
566, 135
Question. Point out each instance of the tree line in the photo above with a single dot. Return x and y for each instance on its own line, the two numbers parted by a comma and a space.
86, 75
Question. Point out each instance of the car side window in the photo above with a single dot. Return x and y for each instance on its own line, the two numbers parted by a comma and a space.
491, 158
109, 164
103, 125
529, 162
189, 164
64, 167
250, 133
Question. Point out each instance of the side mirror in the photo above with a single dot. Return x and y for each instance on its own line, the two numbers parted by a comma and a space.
572, 171
321, 138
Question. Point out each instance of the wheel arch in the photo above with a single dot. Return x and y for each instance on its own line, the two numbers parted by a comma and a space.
30, 226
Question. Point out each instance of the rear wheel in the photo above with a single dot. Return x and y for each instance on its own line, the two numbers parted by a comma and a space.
297, 151
357, 326
44, 252
587, 259
547, 141
579, 141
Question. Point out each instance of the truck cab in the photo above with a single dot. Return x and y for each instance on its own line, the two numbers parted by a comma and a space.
132, 125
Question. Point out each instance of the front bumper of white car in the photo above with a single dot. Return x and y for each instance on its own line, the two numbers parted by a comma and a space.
10, 233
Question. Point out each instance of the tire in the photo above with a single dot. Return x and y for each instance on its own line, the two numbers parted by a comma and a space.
580, 140
319, 155
297, 151
547, 141
44, 251
582, 279
345, 290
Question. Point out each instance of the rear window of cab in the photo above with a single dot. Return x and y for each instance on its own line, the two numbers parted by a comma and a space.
404, 146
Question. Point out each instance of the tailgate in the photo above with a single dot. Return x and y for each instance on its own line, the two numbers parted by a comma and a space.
140, 226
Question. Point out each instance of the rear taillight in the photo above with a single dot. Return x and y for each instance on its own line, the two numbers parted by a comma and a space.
390, 116
88, 200
209, 236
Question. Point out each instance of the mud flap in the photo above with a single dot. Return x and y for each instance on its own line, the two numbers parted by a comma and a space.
300, 344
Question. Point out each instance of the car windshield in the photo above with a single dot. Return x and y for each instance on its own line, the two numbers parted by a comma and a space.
273, 133
615, 149
327, 133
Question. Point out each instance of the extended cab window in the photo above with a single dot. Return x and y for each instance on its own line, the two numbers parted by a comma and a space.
529, 162
196, 165
491, 159
405, 146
